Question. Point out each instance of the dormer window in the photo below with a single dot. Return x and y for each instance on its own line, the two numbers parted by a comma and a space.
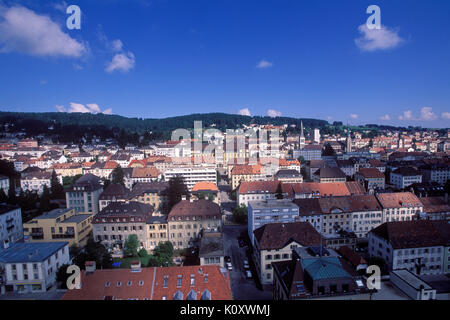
119, 284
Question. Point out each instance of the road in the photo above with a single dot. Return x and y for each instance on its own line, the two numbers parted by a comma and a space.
242, 288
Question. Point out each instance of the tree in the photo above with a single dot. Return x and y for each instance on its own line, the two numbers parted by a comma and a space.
131, 245
44, 201
328, 151
279, 192
162, 255
240, 214
177, 188
57, 189
301, 159
118, 175
94, 251
62, 276
219, 177
143, 253
12, 199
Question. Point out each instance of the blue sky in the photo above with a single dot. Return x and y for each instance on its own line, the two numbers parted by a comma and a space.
159, 58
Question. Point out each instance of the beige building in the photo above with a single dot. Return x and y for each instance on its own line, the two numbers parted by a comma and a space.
67, 169
400, 206
188, 219
152, 193
274, 242
59, 225
157, 231
244, 172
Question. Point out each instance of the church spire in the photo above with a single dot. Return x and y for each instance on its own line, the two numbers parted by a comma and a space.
302, 136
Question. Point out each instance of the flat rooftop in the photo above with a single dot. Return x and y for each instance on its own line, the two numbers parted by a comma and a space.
56, 213
77, 218
30, 252
273, 204
412, 279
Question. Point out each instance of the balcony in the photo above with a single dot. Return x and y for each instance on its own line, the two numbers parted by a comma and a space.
63, 236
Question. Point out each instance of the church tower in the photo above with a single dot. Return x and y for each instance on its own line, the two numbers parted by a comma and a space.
302, 136
349, 141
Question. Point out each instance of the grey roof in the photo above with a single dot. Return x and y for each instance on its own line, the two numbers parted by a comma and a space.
53, 214
287, 173
269, 204
411, 279
77, 218
30, 252
211, 246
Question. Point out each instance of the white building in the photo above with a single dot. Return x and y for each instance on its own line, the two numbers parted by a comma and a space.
4, 183
417, 246
10, 225
84, 194
192, 174
32, 267
404, 177
316, 135
35, 181
400, 206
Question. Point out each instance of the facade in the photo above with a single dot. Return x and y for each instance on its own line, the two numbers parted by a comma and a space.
188, 219
211, 250
206, 190
274, 242
113, 193
371, 178
59, 225
152, 193
292, 176
435, 208
84, 194
35, 182
405, 176
438, 173
400, 206
329, 175
67, 169
417, 246
244, 172
157, 231
309, 152
192, 175
270, 211
115, 223
10, 225
32, 267
170, 283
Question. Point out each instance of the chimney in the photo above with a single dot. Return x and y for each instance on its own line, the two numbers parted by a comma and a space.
90, 266
135, 266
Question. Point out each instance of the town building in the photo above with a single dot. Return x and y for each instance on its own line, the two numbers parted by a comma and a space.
32, 267
435, 208
192, 175
245, 172
290, 176
84, 194
188, 219
115, 223
11, 229
329, 175
157, 231
59, 225
274, 242
270, 211
309, 152
439, 173
417, 246
400, 206
211, 249
35, 182
206, 190
370, 178
404, 177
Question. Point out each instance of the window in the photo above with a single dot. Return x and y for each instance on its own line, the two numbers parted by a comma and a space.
179, 281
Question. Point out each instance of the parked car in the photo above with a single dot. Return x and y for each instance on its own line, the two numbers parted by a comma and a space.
246, 265
248, 274
229, 266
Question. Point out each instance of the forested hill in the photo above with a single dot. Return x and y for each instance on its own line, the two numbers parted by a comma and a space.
221, 120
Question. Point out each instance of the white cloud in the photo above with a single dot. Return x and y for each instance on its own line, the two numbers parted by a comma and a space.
377, 39
117, 45
273, 113
77, 66
354, 116
94, 108
24, 31
61, 6
386, 117
76, 107
427, 114
263, 64
121, 62
61, 108
244, 112
407, 115
446, 115
88, 108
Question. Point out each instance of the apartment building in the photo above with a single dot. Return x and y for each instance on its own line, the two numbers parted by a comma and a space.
206, 190
192, 175
270, 211
157, 230
32, 267
274, 242
101, 169
115, 223
10, 225
418, 246
147, 174
244, 172
211, 250
329, 175
114, 192
438, 173
152, 193
370, 178
400, 206
35, 181
309, 152
84, 194
405, 176
67, 169
290, 176
188, 219
59, 225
